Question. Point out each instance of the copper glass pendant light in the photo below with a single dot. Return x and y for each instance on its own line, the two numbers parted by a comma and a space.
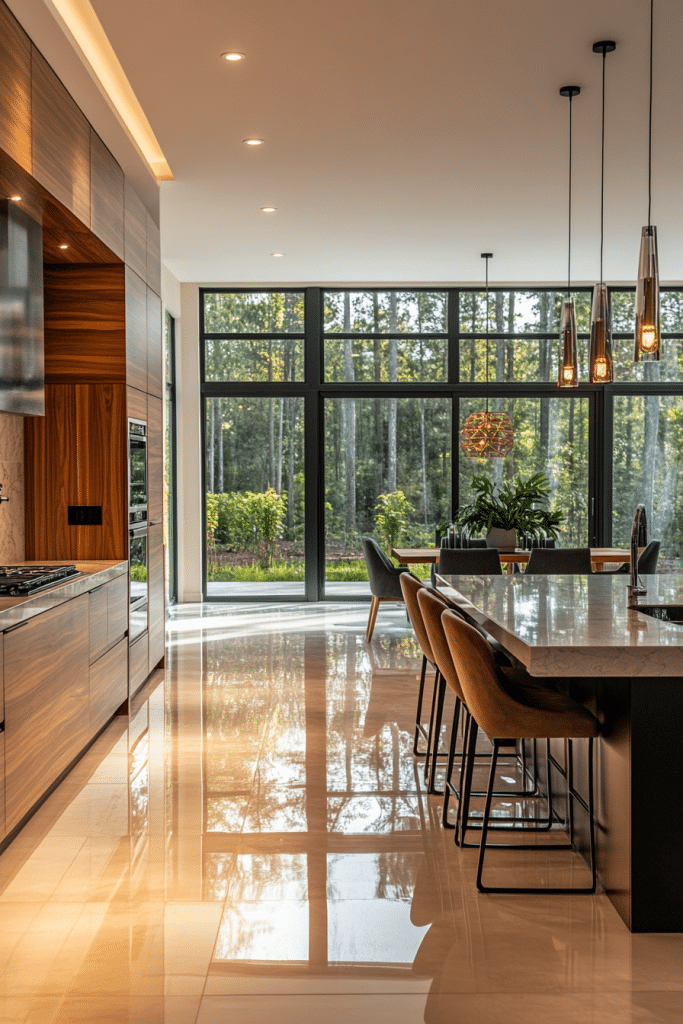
568, 373
648, 335
601, 361
487, 435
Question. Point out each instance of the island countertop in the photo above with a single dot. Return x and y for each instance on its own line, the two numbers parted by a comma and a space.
576, 625
17, 609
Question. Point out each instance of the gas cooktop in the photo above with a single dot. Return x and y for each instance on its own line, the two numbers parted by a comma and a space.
26, 579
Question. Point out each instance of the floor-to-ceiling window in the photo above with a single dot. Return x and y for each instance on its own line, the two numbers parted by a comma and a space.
170, 476
329, 414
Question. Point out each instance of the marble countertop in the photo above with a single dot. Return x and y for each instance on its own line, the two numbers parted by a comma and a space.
576, 625
17, 609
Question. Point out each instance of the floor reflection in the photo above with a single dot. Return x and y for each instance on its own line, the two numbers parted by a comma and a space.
258, 830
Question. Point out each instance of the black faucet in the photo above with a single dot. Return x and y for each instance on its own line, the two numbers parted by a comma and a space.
636, 587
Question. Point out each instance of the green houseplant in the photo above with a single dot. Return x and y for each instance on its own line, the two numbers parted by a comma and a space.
512, 508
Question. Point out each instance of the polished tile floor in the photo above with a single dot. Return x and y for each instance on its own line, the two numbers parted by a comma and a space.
255, 845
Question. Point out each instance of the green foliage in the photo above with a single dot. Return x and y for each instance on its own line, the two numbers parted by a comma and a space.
511, 507
391, 513
277, 572
246, 521
138, 573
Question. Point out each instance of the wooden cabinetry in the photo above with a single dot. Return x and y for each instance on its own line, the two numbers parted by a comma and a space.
153, 277
61, 141
108, 684
15, 90
47, 716
106, 196
108, 616
135, 231
136, 331
155, 577
154, 345
138, 664
76, 455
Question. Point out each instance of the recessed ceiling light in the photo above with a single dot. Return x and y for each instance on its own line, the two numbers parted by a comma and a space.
233, 56
268, 209
277, 254
15, 199
253, 142
64, 247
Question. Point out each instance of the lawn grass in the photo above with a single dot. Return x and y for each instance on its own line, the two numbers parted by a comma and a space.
353, 570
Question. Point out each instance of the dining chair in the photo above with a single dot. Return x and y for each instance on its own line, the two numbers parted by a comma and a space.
465, 561
384, 576
508, 712
647, 560
560, 561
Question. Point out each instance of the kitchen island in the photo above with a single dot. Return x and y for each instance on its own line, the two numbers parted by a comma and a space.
628, 667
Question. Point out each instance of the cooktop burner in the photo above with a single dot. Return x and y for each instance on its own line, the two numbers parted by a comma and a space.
25, 579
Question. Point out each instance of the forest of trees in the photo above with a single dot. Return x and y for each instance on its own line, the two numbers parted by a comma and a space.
377, 445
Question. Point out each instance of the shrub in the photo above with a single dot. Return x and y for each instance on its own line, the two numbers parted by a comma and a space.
391, 513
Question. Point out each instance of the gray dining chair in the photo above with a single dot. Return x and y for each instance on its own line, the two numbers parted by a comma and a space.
647, 560
384, 576
465, 561
560, 561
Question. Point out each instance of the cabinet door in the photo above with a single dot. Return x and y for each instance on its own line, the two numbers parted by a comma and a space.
138, 669
157, 615
15, 89
108, 684
117, 608
153, 256
136, 331
155, 459
46, 702
98, 622
135, 231
155, 367
61, 141
106, 195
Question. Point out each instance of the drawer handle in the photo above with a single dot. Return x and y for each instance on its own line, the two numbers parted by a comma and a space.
95, 589
18, 625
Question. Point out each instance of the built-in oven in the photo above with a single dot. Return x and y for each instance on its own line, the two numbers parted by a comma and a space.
137, 472
137, 559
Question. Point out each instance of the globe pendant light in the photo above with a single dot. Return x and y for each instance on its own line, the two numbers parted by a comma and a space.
601, 361
487, 434
568, 374
648, 335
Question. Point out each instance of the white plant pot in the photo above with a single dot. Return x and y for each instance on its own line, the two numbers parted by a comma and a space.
504, 540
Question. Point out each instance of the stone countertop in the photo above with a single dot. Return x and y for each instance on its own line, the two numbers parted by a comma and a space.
576, 625
17, 609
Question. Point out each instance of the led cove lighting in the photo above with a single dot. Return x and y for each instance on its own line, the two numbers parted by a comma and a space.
233, 56
253, 142
81, 24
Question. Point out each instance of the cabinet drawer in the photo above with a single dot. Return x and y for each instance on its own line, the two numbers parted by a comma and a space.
98, 623
137, 664
117, 608
108, 684
47, 717
3, 830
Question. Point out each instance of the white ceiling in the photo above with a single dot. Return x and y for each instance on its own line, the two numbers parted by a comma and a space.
404, 137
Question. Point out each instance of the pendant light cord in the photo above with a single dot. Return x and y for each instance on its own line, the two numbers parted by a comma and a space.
649, 162
602, 167
569, 246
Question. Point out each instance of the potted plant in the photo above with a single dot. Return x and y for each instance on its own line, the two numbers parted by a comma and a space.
511, 511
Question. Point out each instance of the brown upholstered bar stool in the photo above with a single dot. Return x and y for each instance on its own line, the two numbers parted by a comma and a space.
508, 712
410, 586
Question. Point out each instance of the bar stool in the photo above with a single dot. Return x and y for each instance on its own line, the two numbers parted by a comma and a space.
510, 712
410, 586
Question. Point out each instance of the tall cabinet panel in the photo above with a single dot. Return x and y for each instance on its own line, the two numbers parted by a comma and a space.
155, 575
136, 331
135, 231
154, 349
61, 141
155, 459
106, 195
15, 90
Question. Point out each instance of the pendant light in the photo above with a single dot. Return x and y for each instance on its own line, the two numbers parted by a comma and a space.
568, 374
601, 361
648, 332
487, 434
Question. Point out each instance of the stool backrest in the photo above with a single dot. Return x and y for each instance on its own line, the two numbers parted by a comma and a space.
411, 586
432, 606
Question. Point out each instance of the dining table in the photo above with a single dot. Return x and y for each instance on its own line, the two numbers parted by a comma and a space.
600, 557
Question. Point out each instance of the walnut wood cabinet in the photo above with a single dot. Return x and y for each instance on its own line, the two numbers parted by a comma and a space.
155, 576
47, 716
106, 196
15, 90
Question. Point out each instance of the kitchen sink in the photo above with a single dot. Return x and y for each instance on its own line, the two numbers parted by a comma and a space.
667, 612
